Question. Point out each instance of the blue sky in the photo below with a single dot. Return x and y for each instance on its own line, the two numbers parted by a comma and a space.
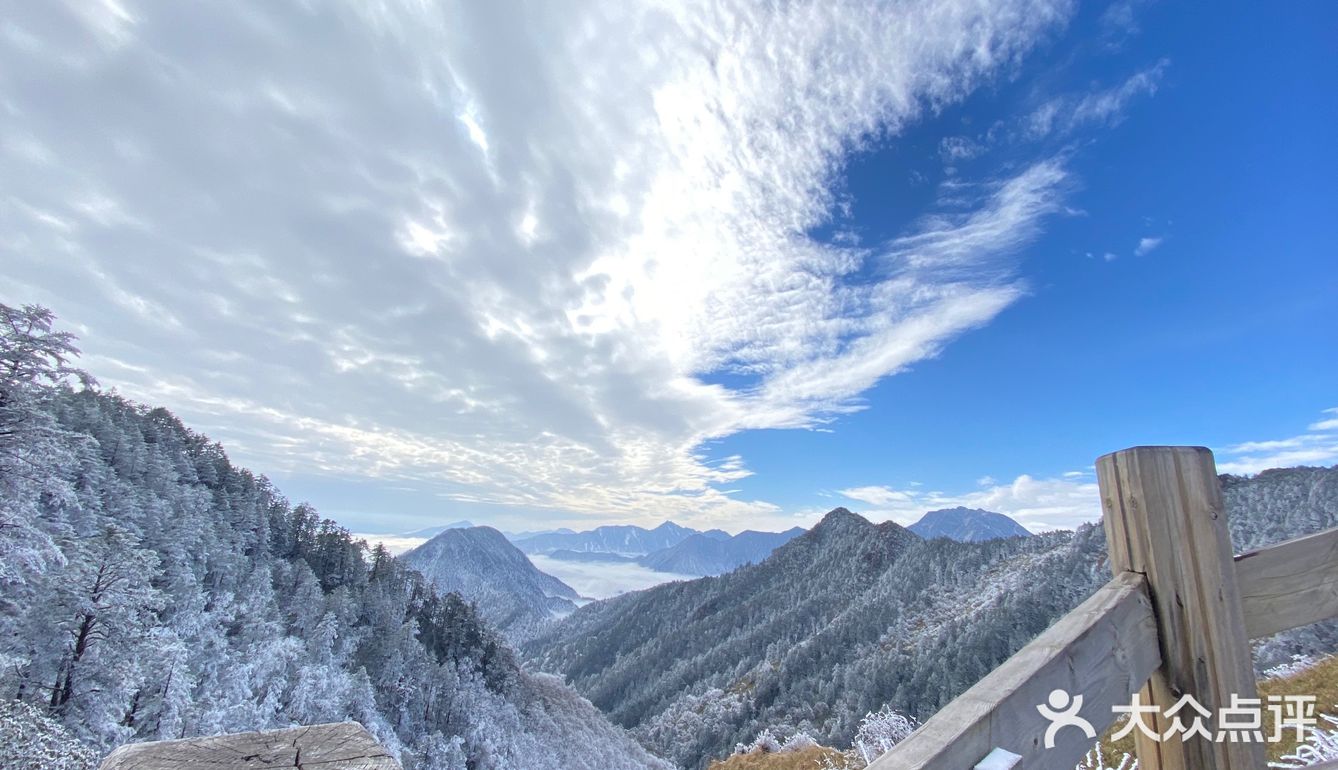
725, 263
1222, 334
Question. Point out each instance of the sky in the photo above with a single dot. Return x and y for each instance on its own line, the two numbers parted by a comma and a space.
731, 264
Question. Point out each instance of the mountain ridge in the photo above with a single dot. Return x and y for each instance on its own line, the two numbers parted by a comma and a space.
621, 539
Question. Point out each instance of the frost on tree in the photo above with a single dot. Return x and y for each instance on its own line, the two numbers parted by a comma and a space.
29, 740
150, 590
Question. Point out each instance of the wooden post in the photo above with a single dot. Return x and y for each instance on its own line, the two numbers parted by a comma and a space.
1164, 518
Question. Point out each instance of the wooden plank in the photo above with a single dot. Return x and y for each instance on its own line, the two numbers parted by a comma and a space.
1103, 650
1164, 518
334, 746
1289, 585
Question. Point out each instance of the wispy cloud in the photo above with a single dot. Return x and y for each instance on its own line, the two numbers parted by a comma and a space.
879, 496
1057, 117
1328, 423
499, 262
1062, 115
1147, 245
1120, 21
1317, 446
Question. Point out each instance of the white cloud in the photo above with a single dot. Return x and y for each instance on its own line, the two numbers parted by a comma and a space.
497, 262
1318, 446
1146, 245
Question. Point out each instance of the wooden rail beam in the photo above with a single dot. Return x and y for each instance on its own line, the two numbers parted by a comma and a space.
1103, 650
1164, 518
1289, 585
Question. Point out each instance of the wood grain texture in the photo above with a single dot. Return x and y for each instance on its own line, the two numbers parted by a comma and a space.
1104, 650
335, 746
1288, 585
1164, 518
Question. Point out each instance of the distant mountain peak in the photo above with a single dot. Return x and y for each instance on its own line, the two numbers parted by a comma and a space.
483, 566
967, 525
839, 517
707, 553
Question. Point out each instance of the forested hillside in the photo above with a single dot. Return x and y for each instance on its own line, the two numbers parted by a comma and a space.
833, 625
853, 616
150, 589
1278, 505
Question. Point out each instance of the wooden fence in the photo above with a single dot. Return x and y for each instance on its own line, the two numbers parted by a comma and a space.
1175, 621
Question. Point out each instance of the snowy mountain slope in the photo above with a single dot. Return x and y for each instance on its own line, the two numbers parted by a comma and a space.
702, 554
967, 525
481, 565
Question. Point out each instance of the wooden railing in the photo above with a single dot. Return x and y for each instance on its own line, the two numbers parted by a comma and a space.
1176, 620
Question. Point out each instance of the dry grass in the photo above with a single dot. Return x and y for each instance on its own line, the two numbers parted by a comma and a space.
1320, 680
806, 759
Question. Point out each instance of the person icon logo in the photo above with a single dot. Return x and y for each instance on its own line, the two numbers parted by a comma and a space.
1062, 711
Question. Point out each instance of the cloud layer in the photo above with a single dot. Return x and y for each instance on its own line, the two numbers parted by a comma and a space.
499, 261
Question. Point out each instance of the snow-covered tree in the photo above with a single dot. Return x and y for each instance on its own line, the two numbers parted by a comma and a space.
149, 589
879, 731
1096, 759
29, 740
